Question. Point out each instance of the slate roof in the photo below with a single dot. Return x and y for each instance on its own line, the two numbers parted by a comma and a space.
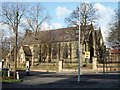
56, 35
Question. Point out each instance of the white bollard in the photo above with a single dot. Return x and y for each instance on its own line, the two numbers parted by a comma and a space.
17, 75
8, 73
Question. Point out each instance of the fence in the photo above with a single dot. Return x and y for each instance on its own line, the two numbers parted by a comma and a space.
112, 62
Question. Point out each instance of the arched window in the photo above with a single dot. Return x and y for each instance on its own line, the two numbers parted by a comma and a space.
54, 51
65, 52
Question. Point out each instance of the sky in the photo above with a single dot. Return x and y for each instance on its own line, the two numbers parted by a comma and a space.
61, 9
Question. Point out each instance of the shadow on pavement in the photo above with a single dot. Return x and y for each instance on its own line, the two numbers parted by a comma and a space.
69, 81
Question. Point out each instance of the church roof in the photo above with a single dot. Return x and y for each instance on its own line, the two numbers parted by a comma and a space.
55, 35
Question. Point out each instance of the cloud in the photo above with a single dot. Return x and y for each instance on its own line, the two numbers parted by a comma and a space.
6, 31
56, 25
4, 27
47, 26
104, 11
62, 11
24, 23
106, 14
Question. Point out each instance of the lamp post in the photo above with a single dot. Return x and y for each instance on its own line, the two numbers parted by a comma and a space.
79, 48
104, 58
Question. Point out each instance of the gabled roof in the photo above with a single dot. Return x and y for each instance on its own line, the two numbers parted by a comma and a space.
55, 35
27, 51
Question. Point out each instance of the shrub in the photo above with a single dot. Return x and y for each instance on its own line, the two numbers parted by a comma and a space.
3, 73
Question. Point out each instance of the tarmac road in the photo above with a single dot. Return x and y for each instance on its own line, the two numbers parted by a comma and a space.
66, 80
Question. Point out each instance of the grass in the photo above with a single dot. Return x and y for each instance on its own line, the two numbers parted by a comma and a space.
9, 80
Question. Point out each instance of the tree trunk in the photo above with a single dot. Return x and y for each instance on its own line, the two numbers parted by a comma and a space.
49, 58
40, 59
59, 52
70, 53
33, 55
15, 29
15, 54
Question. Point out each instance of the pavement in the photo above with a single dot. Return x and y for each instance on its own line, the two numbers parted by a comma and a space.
66, 79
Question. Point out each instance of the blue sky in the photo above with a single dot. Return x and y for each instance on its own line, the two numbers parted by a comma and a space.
105, 9
55, 7
59, 10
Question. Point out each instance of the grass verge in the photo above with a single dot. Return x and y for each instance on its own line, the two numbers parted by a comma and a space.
9, 80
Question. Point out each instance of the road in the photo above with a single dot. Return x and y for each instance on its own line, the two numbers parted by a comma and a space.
65, 80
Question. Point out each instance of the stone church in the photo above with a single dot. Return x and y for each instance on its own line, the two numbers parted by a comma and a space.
61, 44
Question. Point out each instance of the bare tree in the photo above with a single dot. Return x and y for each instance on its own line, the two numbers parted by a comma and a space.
1, 44
36, 16
11, 16
87, 15
114, 33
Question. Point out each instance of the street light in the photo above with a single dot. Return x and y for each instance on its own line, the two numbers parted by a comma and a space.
79, 48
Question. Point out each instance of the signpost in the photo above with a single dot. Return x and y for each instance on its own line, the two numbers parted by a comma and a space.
87, 57
87, 54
